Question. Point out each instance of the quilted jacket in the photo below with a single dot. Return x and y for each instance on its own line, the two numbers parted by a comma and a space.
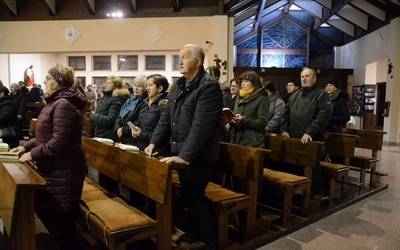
58, 152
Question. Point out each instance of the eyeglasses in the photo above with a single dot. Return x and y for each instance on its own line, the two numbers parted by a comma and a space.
48, 79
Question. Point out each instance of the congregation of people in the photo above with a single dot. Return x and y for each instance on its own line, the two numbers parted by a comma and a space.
181, 122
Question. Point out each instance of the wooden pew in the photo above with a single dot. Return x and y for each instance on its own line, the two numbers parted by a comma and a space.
17, 184
242, 162
342, 145
290, 151
146, 175
366, 139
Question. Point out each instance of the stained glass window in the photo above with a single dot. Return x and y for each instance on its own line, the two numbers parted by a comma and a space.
284, 45
246, 60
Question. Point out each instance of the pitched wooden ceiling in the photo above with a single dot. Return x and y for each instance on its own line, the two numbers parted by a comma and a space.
334, 22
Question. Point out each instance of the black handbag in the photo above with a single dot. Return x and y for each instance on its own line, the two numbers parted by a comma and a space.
7, 132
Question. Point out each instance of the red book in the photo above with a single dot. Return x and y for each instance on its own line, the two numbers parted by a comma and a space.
228, 113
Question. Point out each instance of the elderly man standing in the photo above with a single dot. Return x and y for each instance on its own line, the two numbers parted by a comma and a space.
91, 97
306, 116
191, 123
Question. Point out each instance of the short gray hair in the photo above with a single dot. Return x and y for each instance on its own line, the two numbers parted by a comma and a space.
141, 79
16, 85
197, 51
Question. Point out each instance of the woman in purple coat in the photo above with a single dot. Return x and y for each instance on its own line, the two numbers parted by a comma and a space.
58, 152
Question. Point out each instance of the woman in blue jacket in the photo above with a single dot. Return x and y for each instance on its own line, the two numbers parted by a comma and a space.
155, 104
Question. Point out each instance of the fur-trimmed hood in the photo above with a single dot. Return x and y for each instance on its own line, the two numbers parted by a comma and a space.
123, 93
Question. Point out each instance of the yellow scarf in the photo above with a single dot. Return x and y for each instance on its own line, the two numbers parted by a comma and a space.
244, 93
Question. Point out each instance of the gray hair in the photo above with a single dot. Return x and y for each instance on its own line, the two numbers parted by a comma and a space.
16, 85
197, 51
141, 79
313, 73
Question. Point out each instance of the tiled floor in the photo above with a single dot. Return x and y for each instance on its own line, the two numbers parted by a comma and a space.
373, 223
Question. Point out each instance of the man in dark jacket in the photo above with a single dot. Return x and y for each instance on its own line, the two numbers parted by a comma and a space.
8, 115
306, 116
191, 122
20, 100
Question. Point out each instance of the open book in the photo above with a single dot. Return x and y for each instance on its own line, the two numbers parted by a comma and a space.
127, 147
228, 113
9, 155
104, 140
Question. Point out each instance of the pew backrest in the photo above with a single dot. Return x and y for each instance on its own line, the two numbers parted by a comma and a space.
291, 150
340, 144
240, 161
367, 139
144, 174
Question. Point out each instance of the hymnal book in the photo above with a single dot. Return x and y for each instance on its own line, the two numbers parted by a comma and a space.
228, 113
4, 147
9, 155
104, 140
127, 147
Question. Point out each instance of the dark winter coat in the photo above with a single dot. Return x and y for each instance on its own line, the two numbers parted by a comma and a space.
251, 131
34, 95
8, 112
133, 117
340, 112
58, 152
20, 100
107, 112
191, 119
230, 101
307, 112
148, 122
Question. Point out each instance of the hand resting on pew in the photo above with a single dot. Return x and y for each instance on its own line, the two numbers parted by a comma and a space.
173, 159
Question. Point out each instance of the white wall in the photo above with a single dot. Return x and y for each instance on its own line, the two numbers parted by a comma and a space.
22, 61
359, 53
377, 48
42, 62
139, 36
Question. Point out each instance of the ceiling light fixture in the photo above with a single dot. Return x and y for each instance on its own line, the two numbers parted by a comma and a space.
115, 14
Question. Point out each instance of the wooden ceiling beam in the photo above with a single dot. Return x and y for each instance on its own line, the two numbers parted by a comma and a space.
11, 6
90, 6
176, 6
50, 6
132, 6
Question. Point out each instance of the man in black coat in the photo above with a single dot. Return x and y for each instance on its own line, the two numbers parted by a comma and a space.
191, 123
23, 87
8, 114
306, 116
20, 100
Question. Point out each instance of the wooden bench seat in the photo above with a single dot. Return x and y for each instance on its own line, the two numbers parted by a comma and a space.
215, 192
108, 217
366, 139
289, 185
342, 146
290, 151
241, 162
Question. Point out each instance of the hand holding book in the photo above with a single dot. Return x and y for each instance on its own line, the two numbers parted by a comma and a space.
228, 114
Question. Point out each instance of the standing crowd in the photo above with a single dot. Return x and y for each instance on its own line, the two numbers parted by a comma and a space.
182, 123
